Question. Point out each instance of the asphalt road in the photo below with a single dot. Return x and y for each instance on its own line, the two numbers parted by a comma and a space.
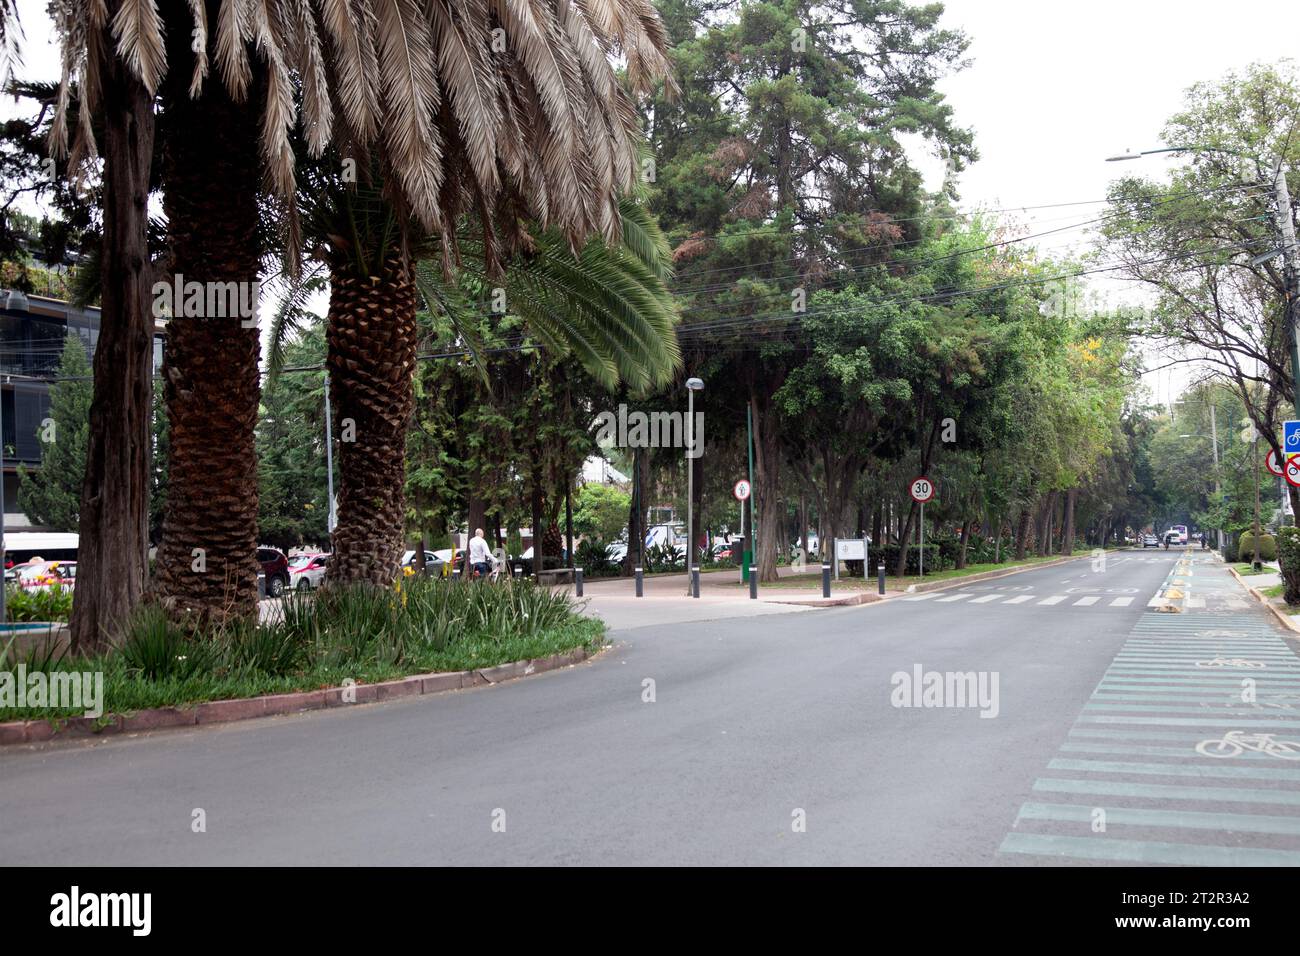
753, 721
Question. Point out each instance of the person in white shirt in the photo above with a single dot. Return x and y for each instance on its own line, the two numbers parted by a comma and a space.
480, 555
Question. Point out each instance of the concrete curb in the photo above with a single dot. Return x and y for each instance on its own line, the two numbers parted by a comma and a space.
274, 705
1282, 617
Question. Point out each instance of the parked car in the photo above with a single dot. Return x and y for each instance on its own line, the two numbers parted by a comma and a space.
432, 562
38, 576
307, 571
1150, 541
276, 568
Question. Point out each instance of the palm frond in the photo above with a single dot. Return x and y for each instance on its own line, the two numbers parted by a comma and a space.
137, 28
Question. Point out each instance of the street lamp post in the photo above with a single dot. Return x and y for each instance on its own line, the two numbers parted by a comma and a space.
693, 385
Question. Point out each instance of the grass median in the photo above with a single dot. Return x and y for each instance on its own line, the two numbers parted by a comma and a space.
362, 633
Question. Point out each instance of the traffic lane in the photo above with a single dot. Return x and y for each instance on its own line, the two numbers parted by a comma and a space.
752, 721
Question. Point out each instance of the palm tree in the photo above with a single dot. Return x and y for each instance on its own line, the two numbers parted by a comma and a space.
499, 108
607, 305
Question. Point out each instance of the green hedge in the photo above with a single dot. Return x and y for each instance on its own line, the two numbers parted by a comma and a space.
1267, 547
1288, 549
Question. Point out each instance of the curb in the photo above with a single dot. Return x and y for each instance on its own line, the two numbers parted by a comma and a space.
1282, 618
275, 705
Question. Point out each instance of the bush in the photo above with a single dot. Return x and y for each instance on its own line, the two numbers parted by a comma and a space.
1267, 547
889, 554
38, 604
1288, 553
592, 555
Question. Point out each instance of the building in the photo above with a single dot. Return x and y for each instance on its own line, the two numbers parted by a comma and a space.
32, 333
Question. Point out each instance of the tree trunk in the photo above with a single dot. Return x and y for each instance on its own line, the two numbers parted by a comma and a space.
371, 336
1067, 541
904, 540
965, 541
536, 520
113, 524
1022, 534
206, 564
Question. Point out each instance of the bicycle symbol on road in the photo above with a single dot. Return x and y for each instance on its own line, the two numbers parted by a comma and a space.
1230, 662
1236, 742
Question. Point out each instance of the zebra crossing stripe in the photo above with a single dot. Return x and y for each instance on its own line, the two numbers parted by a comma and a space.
1054, 599
1144, 817
1230, 772
1086, 601
1020, 599
1121, 602
1144, 851
953, 597
986, 598
1166, 791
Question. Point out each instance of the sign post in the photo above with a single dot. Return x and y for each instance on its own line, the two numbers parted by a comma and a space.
922, 490
741, 492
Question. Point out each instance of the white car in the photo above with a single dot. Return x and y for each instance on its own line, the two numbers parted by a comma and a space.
307, 571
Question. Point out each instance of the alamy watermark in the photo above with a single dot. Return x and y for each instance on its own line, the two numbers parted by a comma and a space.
637, 429
57, 690
207, 300
946, 689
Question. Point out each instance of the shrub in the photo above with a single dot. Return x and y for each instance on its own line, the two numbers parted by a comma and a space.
592, 555
1267, 547
38, 604
1288, 552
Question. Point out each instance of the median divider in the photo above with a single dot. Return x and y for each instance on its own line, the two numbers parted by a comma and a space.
275, 705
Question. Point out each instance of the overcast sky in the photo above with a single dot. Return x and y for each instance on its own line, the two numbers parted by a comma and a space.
1052, 90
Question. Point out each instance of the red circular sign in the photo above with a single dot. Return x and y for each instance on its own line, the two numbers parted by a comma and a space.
922, 490
1293, 470
1270, 462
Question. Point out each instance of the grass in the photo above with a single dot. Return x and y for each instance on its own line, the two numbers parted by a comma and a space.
359, 633
1248, 569
1275, 590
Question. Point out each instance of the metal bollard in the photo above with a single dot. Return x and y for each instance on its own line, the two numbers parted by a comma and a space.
695, 582
577, 581
455, 573
826, 580
753, 582
519, 570
880, 573
639, 590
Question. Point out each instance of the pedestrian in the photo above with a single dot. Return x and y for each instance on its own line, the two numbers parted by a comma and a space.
480, 555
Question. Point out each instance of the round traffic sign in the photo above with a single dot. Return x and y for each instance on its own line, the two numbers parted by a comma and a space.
741, 491
1270, 462
922, 490
1293, 470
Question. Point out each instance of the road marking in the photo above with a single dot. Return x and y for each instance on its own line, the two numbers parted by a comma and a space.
919, 597
954, 597
1121, 602
1054, 599
1166, 791
986, 598
1086, 601
1175, 770
1144, 851
1183, 819
1020, 599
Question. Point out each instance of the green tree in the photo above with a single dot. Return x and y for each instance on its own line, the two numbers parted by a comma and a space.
52, 496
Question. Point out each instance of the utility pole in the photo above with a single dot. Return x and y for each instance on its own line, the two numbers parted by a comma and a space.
1254, 453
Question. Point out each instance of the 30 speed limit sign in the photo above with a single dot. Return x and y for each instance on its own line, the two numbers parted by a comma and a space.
922, 490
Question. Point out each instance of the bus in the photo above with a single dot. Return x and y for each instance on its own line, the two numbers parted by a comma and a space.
21, 546
1182, 532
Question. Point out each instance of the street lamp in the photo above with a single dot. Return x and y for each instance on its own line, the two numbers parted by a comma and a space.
693, 385
1286, 236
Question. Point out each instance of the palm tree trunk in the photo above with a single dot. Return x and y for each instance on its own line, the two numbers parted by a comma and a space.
371, 334
113, 527
207, 560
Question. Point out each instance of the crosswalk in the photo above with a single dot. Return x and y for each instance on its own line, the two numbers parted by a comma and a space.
1077, 599
1187, 753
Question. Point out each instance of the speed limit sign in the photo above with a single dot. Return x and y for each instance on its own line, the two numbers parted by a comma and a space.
922, 490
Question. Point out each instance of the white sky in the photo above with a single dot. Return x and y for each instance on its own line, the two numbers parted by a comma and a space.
1052, 90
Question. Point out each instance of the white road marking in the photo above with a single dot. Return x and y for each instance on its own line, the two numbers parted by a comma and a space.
919, 597
986, 598
1085, 601
1054, 599
955, 597
1020, 599
1121, 602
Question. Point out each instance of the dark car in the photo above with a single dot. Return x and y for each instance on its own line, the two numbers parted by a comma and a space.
276, 568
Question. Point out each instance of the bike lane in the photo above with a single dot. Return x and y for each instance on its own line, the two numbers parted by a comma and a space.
1188, 751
